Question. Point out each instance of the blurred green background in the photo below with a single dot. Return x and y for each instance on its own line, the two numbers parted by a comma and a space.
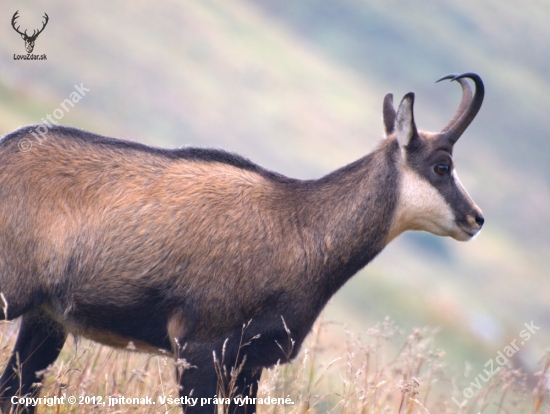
297, 86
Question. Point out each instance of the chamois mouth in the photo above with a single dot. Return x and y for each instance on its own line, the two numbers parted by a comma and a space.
466, 232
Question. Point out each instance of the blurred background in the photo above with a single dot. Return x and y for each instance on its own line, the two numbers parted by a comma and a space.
297, 87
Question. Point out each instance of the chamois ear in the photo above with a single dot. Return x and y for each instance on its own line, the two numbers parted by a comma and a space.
388, 115
405, 128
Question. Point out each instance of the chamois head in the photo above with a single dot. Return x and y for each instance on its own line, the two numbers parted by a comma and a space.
431, 197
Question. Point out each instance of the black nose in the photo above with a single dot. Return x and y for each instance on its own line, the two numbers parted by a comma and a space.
480, 220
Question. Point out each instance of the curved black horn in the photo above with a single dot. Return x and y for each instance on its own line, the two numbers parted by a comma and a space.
466, 98
469, 106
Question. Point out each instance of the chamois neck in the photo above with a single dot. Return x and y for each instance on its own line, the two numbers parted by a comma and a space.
350, 211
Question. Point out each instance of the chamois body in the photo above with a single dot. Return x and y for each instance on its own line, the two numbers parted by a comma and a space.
176, 250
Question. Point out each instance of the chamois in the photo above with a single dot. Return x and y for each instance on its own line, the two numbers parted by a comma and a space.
177, 250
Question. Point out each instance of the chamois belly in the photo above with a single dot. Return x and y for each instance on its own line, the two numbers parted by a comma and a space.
138, 328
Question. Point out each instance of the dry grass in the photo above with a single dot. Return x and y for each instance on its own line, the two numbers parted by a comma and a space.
385, 372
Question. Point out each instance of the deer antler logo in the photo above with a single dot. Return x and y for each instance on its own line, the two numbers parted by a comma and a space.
29, 40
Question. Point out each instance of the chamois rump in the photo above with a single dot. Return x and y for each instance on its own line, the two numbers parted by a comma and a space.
177, 250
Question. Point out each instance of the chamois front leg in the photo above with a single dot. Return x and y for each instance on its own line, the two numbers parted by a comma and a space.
204, 381
198, 382
243, 391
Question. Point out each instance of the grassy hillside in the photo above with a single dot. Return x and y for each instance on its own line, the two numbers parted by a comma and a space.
298, 88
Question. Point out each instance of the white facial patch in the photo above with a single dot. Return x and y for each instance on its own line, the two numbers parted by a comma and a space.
421, 207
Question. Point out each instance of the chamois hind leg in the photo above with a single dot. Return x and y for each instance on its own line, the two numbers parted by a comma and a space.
39, 342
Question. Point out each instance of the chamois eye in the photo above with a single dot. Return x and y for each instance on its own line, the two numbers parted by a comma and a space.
442, 169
